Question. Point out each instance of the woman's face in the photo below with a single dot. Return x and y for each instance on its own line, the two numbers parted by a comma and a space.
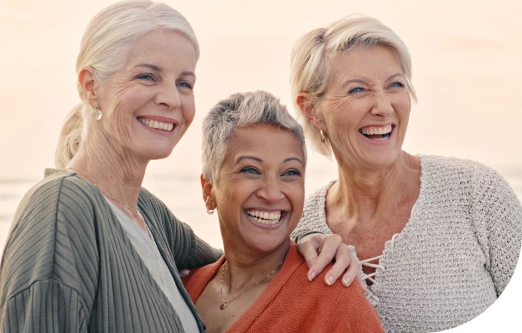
260, 189
149, 104
366, 108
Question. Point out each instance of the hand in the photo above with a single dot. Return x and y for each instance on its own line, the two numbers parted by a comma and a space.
319, 250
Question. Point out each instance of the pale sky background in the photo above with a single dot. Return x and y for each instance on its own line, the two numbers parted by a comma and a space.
466, 70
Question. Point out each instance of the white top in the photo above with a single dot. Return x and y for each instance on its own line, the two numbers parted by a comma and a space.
454, 257
146, 247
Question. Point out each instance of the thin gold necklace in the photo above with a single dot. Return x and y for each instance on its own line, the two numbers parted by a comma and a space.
224, 304
136, 214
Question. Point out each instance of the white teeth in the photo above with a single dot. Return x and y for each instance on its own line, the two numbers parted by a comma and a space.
156, 124
264, 217
376, 130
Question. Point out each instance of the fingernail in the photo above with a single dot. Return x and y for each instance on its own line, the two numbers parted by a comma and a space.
330, 280
311, 276
347, 281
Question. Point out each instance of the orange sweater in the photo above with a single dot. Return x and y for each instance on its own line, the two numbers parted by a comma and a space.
291, 303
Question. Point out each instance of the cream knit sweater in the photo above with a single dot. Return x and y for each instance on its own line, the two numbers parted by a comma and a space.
455, 255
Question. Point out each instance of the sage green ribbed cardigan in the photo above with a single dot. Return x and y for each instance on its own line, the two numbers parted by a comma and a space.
68, 266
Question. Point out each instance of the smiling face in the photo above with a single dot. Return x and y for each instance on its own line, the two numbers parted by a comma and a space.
260, 190
149, 104
366, 107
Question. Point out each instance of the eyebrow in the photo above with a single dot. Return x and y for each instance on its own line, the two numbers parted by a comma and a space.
151, 66
247, 157
365, 82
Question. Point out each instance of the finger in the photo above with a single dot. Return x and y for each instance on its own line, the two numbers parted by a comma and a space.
342, 262
361, 282
331, 244
308, 250
352, 274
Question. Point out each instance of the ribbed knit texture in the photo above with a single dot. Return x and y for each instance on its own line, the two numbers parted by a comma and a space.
291, 303
455, 255
68, 266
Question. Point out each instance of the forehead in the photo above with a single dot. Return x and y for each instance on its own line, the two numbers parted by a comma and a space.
168, 48
273, 142
365, 61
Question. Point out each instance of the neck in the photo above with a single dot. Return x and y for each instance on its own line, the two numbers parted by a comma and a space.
242, 270
363, 193
113, 171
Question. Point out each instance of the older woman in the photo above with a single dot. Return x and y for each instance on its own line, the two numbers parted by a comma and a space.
438, 238
89, 249
254, 160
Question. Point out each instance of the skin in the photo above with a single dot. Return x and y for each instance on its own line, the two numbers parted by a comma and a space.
263, 170
378, 181
156, 82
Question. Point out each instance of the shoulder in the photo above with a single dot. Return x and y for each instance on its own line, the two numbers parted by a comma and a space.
449, 172
314, 206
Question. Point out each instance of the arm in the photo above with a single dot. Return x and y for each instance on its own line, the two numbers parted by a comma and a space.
41, 288
498, 213
189, 250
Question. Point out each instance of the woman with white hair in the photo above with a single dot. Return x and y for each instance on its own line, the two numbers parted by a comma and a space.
89, 248
254, 161
438, 238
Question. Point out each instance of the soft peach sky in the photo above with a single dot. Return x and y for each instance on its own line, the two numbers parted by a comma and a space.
466, 69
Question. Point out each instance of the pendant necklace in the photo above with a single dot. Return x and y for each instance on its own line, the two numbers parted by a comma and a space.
224, 303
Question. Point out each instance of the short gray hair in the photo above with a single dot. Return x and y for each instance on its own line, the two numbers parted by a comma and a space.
313, 52
239, 111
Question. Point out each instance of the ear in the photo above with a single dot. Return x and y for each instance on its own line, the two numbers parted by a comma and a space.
206, 188
308, 106
87, 84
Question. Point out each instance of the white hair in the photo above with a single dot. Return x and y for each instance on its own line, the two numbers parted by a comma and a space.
104, 48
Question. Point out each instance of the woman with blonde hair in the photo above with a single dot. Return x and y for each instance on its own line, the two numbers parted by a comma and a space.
438, 238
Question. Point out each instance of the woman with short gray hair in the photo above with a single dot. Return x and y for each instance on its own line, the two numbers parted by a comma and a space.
254, 160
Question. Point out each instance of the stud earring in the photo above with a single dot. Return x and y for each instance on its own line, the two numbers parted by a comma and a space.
323, 136
96, 113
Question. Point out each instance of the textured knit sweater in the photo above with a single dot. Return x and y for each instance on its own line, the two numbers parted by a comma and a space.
291, 303
68, 265
456, 253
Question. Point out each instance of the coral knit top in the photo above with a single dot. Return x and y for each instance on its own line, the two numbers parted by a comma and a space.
291, 303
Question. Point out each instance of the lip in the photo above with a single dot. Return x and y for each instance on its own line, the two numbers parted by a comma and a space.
378, 142
160, 119
284, 217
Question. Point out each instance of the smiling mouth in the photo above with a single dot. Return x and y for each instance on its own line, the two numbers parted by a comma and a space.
167, 127
377, 133
265, 217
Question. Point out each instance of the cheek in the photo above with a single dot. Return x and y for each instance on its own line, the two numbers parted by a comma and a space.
189, 110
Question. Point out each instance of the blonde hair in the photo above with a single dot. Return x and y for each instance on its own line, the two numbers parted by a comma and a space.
313, 52
104, 48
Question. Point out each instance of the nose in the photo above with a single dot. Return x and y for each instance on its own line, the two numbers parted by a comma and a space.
383, 106
168, 96
270, 190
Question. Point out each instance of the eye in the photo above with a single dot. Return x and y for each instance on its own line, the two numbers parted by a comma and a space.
185, 84
147, 77
292, 172
250, 170
397, 85
356, 90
